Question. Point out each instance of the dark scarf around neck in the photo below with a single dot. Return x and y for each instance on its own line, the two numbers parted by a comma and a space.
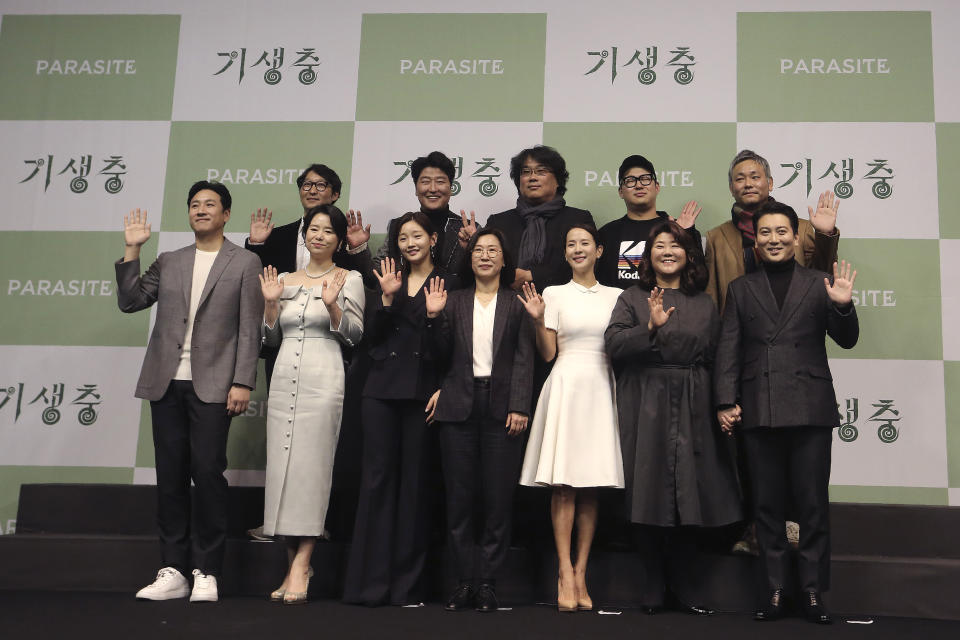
534, 240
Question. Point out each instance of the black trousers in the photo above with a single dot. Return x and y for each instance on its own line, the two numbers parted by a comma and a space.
792, 465
392, 529
481, 468
190, 442
661, 552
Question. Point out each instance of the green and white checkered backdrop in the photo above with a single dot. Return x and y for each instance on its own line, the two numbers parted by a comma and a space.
108, 105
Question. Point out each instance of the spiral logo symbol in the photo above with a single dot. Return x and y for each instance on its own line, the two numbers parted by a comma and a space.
604, 53
87, 416
454, 188
488, 187
848, 432
307, 76
843, 189
888, 433
683, 76
50, 416
882, 190
272, 77
78, 185
113, 185
647, 76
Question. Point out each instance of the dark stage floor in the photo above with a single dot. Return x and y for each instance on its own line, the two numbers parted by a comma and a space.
110, 615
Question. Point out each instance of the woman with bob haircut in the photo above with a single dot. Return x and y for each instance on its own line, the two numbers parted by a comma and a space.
678, 473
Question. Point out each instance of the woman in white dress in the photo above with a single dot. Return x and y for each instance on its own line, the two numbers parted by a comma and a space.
319, 308
574, 443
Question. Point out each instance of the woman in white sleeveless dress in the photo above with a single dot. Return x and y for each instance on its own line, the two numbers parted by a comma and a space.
574, 443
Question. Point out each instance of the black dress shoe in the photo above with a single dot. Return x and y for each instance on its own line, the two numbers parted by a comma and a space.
773, 610
486, 599
813, 609
460, 599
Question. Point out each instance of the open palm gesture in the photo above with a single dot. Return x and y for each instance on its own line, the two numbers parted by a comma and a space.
436, 297
136, 229
332, 286
658, 317
533, 301
260, 226
357, 234
390, 279
689, 213
824, 219
841, 291
270, 285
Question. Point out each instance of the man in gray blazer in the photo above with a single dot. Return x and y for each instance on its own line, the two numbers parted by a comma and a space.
198, 371
773, 381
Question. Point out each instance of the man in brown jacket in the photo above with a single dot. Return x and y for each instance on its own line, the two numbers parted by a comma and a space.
730, 246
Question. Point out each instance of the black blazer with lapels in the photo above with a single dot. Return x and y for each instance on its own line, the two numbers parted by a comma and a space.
511, 377
773, 362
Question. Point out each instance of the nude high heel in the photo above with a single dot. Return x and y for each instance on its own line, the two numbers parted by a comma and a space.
298, 597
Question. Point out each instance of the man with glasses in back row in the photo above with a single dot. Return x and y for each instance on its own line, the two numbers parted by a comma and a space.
624, 239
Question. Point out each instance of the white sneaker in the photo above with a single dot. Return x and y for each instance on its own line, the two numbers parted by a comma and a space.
204, 587
169, 584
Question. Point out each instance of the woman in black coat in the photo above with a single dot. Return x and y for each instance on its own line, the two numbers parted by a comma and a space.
677, 469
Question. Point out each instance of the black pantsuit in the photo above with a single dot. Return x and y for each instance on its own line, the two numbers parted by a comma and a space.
393, 514
190, 442
659, 549
481, 464
794, 463
392, 528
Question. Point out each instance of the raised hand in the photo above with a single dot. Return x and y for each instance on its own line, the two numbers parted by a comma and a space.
841, 291
270, 285
533, 301
357, 234
136, 229
689, 213
658, 317
436, 297
467, 228
389, 278
331, 287
260, 226
432, 406
824, 219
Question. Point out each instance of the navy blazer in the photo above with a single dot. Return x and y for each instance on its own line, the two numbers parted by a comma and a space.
511, 377
773, 362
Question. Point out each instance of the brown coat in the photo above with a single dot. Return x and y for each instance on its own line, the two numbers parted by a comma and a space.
724, 255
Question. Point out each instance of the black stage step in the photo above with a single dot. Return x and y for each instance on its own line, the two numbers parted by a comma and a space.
888, 560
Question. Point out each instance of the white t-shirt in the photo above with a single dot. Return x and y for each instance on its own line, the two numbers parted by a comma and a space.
202, 264
483, 337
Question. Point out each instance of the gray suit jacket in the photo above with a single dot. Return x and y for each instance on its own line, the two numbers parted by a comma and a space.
774, 362
226, 329
511, 378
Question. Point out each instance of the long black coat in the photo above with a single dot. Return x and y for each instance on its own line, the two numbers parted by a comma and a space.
676, 463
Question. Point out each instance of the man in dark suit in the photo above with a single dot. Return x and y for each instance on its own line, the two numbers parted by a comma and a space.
198, 371
772, 380
535, 229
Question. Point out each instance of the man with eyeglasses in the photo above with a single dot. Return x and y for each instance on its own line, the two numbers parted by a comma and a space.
624, 239
283, 246
535, 229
